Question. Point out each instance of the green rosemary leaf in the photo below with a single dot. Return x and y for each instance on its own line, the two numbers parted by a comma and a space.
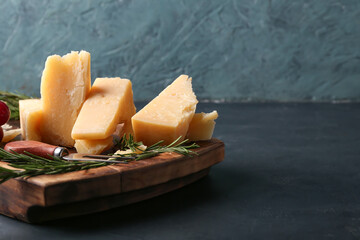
155, 149
154, 146
29, 165
32, 165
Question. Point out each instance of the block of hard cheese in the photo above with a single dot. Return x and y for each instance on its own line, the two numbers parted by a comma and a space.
30, 119
93, 146
65, 84
110, 102
202, 126
167, 116
87, 146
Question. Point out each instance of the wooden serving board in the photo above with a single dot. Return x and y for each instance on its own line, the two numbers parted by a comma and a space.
49, 197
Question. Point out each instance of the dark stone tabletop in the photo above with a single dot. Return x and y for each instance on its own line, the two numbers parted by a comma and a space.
291, 171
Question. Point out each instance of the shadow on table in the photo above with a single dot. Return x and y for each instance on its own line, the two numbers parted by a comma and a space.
218, 185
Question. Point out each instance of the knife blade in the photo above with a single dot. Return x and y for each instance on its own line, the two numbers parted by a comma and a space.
48, 151
95, 158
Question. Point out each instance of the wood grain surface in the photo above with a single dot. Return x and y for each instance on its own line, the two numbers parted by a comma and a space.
48, 197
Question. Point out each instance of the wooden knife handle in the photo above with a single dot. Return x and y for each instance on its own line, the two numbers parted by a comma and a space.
34, 147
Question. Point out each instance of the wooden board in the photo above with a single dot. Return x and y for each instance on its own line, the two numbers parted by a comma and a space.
49, 197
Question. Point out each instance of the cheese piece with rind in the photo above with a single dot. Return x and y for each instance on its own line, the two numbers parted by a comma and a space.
87, 146
65, 84
167, 116
93, 146
110, 102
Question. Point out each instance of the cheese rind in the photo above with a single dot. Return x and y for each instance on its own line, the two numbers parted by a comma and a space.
93, 146
65, 84
110, 102
167, 116
202, 126
31, 116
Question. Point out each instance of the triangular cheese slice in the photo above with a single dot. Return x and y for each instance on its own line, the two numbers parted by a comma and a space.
110, 102
167, 116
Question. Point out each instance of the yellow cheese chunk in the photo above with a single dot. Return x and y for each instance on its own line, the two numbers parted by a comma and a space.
110, 102
10, 134
65, 84
202, 126
93, 146
167, 116
30, 119
98, 146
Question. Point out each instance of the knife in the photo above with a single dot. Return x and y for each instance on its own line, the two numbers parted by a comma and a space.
48, 151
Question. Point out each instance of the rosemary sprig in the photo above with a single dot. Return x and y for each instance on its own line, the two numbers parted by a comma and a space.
30, 165
155, 149
12, 100
128, 143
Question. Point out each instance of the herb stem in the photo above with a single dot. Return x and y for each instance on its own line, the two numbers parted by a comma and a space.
30, 165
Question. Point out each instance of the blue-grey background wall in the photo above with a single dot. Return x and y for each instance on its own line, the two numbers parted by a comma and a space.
234, 50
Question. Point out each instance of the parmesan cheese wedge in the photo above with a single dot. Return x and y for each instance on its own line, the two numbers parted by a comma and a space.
65, 84
110, 102
87, 146
167, 116
93, 146
202, 126
30, 119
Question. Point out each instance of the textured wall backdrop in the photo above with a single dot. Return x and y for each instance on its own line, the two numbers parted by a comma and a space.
234, 50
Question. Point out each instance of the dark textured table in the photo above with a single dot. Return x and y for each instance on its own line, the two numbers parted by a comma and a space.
291, 171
